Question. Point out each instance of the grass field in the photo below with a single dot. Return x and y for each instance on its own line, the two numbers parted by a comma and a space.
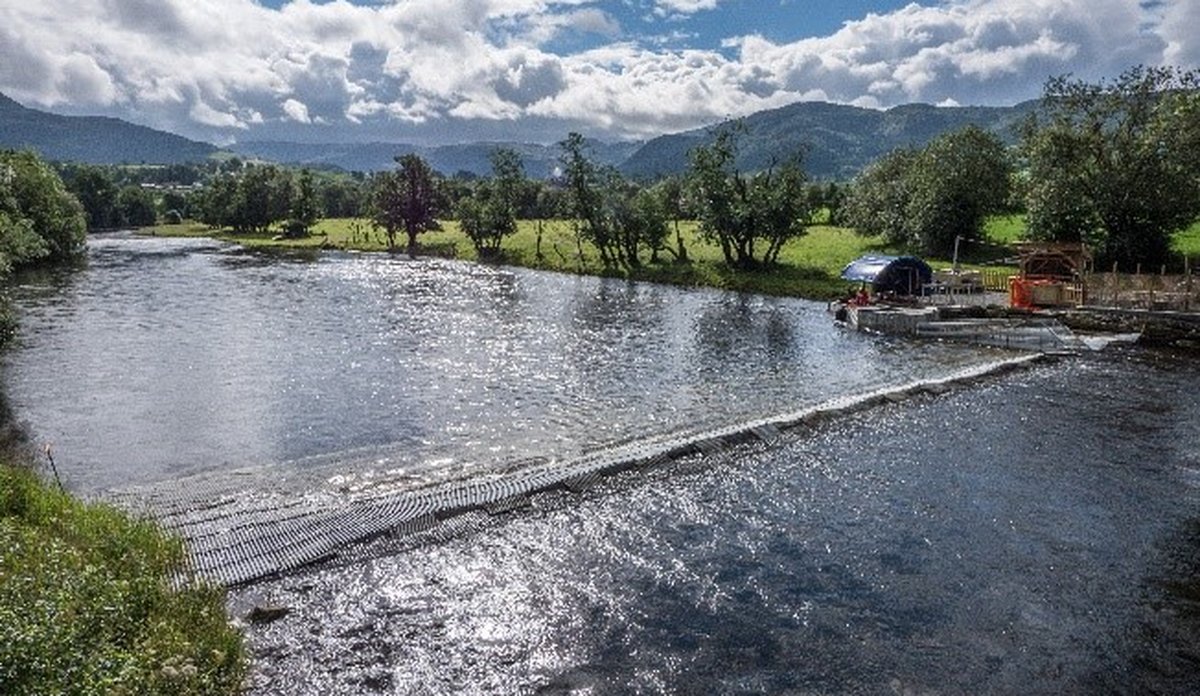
808, 267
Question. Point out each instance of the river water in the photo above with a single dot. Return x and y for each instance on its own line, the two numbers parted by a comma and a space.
1036, 533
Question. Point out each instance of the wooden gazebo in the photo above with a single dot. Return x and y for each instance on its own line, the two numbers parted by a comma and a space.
1052, 273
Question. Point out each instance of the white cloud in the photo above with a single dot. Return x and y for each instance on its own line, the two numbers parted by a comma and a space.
972, 51
219, 67
296, 111
665, 8
1179, 23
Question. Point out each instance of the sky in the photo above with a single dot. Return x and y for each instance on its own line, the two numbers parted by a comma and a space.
447, 71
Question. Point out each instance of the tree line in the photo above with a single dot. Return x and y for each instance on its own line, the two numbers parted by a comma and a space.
749, 215
1113, 164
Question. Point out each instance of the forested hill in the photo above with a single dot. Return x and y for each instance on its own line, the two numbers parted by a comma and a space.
93, 139
539, 160
838, 141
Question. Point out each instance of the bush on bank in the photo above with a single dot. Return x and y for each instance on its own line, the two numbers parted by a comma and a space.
94, 602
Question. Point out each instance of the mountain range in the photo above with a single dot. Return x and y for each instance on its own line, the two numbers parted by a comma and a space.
93, 139
540, 160
837, 141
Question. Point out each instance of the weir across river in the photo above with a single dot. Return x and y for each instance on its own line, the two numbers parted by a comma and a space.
238, 536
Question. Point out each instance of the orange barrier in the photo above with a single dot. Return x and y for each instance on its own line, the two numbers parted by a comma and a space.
1020, 292
1035, 292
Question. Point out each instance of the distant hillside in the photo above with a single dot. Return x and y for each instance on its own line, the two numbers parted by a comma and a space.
539, 160
93, 139
838, 141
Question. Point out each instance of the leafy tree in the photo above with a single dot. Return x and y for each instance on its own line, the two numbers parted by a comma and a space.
406, 199
304, 212
174, 202
924, 199
672, 193
738, 211
829, 196
251, 208
640, 221
96, 190
215, 204
542, 202
341, 197
585, 184
39, 220
33, 194
490, 215
958, 180
136, 206
878, 201
1117, 163
1057, 189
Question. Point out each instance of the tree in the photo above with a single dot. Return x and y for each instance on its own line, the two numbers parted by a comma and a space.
924, 199
490, 214
174, 204
215, 204
673, 195
95, 189
252, 209
136, 206
584, 184
640, 222
957, 181
36, 200
407, 199
878, 200
1117, 163
304, 212
342, 197
738, 210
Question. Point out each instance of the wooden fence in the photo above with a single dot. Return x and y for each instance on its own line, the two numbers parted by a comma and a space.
996, 279
1179, 293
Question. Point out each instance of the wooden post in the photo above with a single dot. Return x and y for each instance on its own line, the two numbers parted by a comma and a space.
1116, 282
1187, 273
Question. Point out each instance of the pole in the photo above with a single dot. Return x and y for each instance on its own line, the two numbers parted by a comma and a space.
1116, 281
957, 239
1187, 272
50, 458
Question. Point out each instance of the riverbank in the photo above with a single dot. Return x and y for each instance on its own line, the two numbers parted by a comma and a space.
808, 267
91, 601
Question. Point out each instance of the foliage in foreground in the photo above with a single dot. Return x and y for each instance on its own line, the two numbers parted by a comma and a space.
89, 602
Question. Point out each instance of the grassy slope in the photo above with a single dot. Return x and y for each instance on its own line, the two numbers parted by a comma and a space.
88, 603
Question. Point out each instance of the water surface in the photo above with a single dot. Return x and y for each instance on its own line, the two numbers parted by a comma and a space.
166, 358
1037, 535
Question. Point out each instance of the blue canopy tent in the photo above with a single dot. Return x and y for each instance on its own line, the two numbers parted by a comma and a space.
898, 275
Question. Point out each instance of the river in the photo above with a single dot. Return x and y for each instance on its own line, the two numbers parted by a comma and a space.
1035, 533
